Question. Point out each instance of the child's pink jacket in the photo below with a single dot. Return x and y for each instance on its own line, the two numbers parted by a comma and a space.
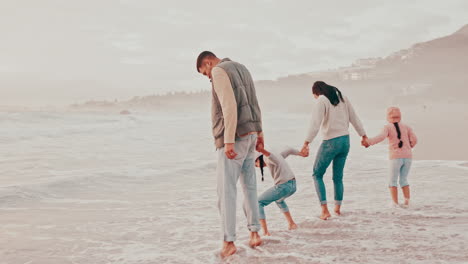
407, 136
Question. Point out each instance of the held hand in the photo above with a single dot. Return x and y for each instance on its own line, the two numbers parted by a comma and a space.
305, 150
304, 153
229, 150
365, 142
260, 144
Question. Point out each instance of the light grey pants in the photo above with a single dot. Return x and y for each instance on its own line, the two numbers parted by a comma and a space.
228, 173
401, 168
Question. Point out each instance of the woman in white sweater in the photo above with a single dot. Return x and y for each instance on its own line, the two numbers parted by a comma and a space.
332, 115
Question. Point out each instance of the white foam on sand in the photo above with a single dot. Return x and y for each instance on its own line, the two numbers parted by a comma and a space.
101, 188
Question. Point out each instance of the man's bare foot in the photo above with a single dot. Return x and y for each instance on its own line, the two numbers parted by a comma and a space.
325, 216
266, 233
338, 209
228, 249
255, 239
292, 226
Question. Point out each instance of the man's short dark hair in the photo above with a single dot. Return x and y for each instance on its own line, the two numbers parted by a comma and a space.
202, 56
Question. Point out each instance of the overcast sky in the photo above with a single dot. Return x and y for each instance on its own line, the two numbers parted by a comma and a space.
60, 52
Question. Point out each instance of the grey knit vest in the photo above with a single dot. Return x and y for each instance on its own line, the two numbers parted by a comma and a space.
248, 112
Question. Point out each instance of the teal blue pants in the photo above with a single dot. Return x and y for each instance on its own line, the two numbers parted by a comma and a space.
333, 150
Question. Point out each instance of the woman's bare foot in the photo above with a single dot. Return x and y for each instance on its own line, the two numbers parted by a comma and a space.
325, 216
292, 226
338, 209
255, 239
228, 249
325, 213
266, 233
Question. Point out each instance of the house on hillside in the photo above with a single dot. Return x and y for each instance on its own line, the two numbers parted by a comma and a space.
370, 62
354, 73
360, 70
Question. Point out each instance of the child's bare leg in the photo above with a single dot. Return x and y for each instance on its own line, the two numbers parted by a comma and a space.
264, 227
228, 249
406, 194
394, 194
291, 223
325, 213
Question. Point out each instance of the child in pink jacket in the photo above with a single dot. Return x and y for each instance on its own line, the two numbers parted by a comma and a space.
401, 140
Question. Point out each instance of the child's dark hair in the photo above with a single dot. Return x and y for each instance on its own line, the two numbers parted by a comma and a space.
400, 144
262, 164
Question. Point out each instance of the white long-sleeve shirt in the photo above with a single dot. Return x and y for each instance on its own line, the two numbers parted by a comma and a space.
279, 168
333, 120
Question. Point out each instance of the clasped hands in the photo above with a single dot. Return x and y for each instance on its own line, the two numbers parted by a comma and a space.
231, 153
365, 141
305, 150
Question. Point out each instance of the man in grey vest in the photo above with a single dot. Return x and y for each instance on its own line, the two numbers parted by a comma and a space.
237, 131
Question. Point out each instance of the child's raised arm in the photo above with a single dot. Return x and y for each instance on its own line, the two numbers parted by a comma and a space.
380, 137
290, 151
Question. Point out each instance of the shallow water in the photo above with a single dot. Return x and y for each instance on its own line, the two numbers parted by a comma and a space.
141, 188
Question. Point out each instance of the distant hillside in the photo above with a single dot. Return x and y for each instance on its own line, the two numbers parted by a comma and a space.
435, 70
444, 58
177, 100
429, 71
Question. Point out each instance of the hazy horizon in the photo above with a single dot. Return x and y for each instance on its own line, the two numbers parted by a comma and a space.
57, 53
